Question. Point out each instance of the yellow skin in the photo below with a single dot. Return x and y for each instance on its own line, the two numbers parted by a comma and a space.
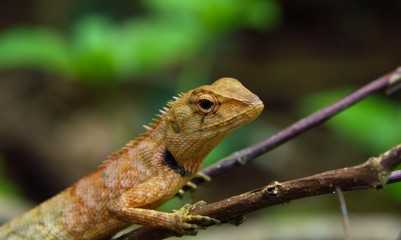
145, 173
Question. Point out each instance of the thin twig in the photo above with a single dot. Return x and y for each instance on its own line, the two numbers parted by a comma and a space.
394, 177
344, 213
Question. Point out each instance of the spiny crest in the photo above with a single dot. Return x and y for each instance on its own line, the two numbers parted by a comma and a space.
115, 155
159, 117
149, 129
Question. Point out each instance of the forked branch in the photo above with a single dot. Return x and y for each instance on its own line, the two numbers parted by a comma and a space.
374, 173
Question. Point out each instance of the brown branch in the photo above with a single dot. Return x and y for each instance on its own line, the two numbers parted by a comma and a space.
371, 174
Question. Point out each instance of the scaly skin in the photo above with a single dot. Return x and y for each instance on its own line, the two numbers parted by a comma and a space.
145, 173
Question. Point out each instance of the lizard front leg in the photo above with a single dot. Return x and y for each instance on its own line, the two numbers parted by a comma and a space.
135, 206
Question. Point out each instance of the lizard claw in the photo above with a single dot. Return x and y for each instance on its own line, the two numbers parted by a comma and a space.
191, 187
190, 224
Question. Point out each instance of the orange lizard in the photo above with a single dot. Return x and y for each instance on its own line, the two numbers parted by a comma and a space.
145, 173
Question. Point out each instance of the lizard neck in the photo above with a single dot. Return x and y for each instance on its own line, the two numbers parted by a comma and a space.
169, 160
184, 161
187, 152
182, 153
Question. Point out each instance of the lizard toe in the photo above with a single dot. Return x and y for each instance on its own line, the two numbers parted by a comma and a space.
202, 220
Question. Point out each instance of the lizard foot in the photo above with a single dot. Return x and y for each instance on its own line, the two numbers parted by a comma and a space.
190, 224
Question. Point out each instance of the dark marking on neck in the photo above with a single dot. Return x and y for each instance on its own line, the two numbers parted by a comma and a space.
171, 162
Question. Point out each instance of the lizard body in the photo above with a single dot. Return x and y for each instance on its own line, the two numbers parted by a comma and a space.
145, 173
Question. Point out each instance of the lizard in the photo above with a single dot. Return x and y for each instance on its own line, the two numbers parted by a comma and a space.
148, 171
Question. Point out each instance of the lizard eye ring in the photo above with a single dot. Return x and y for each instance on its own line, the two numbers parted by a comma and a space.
207, 103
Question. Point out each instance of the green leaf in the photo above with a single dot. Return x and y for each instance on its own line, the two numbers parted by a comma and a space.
94, 44
149, 47
219, 16
35, 48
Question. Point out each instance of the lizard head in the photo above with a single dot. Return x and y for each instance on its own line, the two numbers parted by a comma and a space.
200, 119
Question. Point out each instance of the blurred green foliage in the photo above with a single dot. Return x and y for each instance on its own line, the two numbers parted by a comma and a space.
372, 124
34, 47
100, 50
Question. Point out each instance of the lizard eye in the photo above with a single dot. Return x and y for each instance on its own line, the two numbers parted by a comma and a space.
207, 103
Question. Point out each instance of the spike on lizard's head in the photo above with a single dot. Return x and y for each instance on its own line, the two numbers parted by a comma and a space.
200, 119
